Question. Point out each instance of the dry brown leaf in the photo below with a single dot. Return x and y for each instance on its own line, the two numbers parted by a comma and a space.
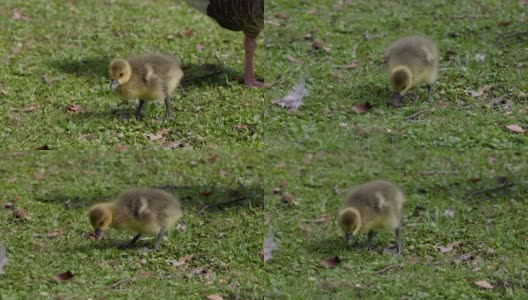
293, 59
330, 262
74, 108
450, 212
288, 198
43, 147
281, 15
9, 205
188, 32
516, 128
480, 57
63, 277
181, 261
317, 45
505, 23
214, 297
362, 108
484, 284
481, 91
449, 247
158, 135
121, 147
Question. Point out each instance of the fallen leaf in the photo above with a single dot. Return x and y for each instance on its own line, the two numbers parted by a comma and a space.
9, 205
3, 259
484, 284
294, 98
74, 108
121, 147
362, 108
330, 262
516, 128
181, 261
54, 233
505, 23
480, 57
288, 199
449, 247
390, 251
481, 91
188, 32
214, 297
473, 180
118, 283
351, 66
293, 59
281, 15
63, 277
43, 147
200, 47
317, 45
269, 246
158, 135
19, 213
449, 212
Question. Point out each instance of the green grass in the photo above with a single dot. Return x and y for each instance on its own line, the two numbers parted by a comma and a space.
490, 225
454, 120
72, 43
225, 240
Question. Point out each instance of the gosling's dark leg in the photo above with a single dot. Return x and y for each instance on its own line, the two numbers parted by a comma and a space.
131, 243
161, 234
167, 108
369, 241
398, 241
139, 110
429, 93
349, 239
396, 99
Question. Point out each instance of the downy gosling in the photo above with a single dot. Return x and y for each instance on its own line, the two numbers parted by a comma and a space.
371, 207
150, 77
142, 210
411, 61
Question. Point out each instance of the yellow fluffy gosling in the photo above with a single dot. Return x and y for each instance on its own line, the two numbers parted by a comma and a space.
142, 210
150, 77
370, 207
411, 61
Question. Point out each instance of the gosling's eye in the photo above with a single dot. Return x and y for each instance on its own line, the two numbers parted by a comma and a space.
121, 75
101, 224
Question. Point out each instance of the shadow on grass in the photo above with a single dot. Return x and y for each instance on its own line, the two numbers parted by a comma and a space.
195, 199
194, 75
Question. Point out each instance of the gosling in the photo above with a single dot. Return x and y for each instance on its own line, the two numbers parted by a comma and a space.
142, 210
150, 77
411, 61
371, 207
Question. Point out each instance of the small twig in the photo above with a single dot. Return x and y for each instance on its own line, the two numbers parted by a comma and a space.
416, 114
220, 204
387, 268
438, 172
469, 17
475, 193
119, 282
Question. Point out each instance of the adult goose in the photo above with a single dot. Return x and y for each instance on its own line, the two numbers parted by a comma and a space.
238, 15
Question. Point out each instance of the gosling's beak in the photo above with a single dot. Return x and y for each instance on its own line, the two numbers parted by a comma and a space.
114, 84
349, 238
98, 234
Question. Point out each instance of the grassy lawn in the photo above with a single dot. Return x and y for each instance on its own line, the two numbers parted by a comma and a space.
490, 226
55, 54
56, 188
456, 119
